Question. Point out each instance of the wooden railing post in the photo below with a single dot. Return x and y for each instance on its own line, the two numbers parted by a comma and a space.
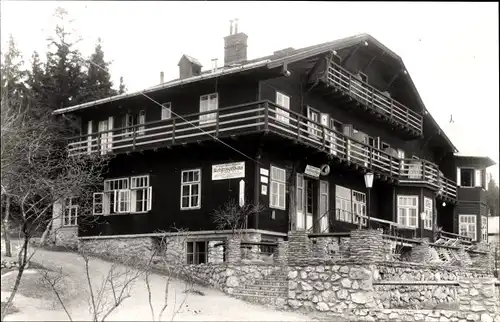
407, 117
324, 136
217, 124
350, 85
173, 131
133, 137
348, 149
370, 157
266, 116
424, 164
392, 108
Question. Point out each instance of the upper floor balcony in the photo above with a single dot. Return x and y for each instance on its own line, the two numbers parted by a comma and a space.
264, 116
379, 103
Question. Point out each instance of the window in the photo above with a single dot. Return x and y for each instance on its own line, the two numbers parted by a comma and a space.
70, 213
89, 137
407, 210
283, 101
300, 202
359, 207
128, 121
106, 142
197, 252
467, 226
208, 102
141, 120
190, 189
312, 127
428, 210
277, 189
140, 194
343, 207
336, 125
484, 229
323, 205
124, 195
166, 111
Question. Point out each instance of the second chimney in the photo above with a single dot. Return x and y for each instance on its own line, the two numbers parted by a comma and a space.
162, 77
235, 46
189, 66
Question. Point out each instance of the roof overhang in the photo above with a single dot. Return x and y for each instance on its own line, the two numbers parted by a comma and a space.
487, 161
221, 72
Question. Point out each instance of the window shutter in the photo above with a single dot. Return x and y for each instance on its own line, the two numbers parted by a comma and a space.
279, 98
94, 203
89, 138
458, 177
150, 197
286, 102
477, 177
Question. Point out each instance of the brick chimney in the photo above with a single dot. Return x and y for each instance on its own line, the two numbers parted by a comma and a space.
235, 45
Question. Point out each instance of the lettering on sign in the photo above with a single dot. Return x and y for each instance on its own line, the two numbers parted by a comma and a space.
264, 179
312, 171
264, 172
228, 171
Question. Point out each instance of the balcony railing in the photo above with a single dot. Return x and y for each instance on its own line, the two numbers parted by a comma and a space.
373, 98
258, 117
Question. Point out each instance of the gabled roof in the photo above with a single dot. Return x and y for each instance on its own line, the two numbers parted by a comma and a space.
190, 59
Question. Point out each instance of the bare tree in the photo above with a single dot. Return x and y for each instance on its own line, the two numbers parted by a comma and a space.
170, 254
37, 174
235, 217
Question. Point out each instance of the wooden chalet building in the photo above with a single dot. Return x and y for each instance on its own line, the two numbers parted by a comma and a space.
249, 129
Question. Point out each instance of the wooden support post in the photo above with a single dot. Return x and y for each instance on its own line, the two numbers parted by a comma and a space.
173, 131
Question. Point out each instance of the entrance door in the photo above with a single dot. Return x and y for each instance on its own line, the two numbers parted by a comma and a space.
310, 205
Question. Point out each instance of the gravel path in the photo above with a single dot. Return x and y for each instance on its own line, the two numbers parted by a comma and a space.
212, 306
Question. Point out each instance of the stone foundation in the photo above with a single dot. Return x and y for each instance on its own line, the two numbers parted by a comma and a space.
66, 236
140, 248
367, 244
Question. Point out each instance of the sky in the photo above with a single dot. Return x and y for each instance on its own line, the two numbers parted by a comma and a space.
450, 49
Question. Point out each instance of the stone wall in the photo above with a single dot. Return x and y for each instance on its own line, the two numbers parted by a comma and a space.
334, 288
417, 296
140, 248
215, 254
479, 296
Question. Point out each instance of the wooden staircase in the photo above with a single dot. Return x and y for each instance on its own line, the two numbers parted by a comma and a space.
448, 255
271, 290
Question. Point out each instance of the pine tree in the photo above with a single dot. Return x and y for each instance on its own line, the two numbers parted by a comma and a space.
64, 69
98, 83
12, 74
493, 198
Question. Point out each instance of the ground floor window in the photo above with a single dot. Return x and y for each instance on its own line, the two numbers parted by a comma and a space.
70, 212
428, 210
350, 205
467, 226
278, 188
197, 252
124, 195
407, 210
484, 228
190, 189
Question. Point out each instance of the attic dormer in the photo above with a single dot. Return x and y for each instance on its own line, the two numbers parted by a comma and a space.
189, 66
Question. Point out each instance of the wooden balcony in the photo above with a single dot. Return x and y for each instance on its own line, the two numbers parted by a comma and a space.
264, 116
380, 104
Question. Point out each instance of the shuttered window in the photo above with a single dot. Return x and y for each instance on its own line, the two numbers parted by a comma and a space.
278, 188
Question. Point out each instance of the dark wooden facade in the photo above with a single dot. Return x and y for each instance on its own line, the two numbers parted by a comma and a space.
246, 120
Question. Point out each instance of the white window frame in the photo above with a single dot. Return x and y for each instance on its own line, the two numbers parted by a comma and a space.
128, 123
89, 136
484, 229
343, 204
120, 195
166, 111
190, 194
283, 101
141, 121
404, 208
429, 212
70, 212
467, 226
300, 202
324, 192
208, 102
277, 189
358, 200
146, 189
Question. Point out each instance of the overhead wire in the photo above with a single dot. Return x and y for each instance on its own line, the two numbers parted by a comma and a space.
178, 115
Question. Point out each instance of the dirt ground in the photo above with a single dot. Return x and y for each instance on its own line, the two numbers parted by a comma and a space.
36, 300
